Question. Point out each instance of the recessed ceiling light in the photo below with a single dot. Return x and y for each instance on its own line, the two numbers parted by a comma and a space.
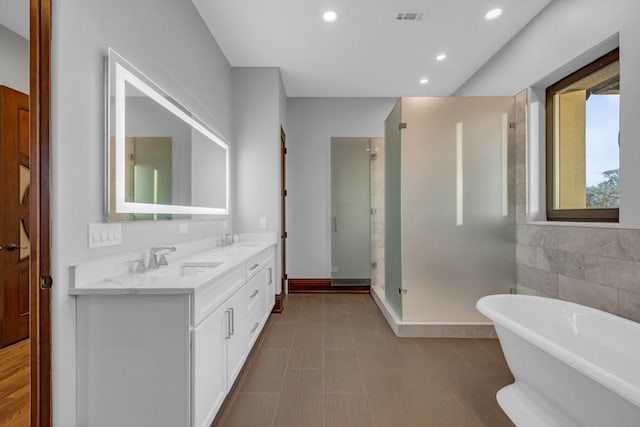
330, 16
493, 14
424, 80
441, 57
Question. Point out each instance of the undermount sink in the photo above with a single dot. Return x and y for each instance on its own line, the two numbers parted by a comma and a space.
185, 269
197, 268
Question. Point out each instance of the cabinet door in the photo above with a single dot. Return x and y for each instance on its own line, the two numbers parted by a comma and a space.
237, 344
270, 270
209, 372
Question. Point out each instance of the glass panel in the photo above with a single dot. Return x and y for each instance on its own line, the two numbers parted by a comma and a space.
457, 243
393, 210
25, 178
350, 212
586, 141
603, 151
25, 241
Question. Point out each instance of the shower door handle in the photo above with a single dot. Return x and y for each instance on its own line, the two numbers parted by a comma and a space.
334, 223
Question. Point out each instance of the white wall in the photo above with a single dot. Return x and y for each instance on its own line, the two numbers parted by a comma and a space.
167, 40
311, 122
258, 113
256, 129
563, 37
14, 60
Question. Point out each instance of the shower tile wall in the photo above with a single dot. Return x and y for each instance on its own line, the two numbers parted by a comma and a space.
377, 219
594, 266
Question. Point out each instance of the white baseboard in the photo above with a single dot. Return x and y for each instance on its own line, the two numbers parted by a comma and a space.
430, 330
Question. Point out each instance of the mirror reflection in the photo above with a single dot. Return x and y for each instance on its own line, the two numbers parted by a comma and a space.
163, 161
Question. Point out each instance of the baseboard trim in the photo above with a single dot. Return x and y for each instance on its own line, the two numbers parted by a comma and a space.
431, 330
279, 305
302, 286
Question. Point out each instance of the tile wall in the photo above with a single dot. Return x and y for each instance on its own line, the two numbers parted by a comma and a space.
594, 266
377, 219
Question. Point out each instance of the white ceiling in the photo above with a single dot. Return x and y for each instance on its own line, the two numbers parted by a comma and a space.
14, 14
366, 52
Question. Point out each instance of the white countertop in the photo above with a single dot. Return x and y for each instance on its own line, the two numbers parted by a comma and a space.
184, 274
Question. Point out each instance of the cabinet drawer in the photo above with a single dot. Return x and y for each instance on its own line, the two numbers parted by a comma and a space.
254, 326
210, 296
256, 290
257, 262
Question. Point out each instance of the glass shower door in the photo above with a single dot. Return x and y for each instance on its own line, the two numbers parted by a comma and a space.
393, 211
350, 212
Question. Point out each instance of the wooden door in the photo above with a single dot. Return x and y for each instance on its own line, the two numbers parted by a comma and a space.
14, 217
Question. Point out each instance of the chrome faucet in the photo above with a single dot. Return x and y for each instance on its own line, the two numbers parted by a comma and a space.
157, 256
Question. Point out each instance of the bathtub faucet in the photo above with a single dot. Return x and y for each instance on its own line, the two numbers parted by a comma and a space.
157, 256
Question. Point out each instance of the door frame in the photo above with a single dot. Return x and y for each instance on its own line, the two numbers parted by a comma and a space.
40, 214
279, 305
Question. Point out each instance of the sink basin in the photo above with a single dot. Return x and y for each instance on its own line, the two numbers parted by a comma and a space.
185, 269
197, 268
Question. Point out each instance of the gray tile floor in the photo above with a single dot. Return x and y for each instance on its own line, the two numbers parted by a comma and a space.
332, 360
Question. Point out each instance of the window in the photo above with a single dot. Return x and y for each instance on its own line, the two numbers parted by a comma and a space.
583, 141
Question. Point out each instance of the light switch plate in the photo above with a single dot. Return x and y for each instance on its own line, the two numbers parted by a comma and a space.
183, 228
105, 235
263, 222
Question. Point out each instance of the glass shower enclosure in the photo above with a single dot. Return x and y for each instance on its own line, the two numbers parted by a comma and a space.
450, 223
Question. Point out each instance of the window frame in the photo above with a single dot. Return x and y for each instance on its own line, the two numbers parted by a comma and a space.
574, 215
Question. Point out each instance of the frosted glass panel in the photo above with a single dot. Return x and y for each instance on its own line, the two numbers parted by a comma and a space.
350, 211
457, 243
393, 210
25, 240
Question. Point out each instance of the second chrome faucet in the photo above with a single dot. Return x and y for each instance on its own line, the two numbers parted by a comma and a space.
157, 256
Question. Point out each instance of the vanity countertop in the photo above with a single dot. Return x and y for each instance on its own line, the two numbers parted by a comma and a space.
184, 274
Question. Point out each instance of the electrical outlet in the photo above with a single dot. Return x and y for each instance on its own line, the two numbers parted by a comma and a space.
263, 222
224, 224
183, 228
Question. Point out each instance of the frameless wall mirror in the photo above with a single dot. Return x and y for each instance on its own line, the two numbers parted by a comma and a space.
162, 161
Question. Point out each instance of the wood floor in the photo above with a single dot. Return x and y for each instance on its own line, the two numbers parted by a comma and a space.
332, 360
14, 385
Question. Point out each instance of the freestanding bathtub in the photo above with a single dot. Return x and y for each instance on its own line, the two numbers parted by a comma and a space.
573, 365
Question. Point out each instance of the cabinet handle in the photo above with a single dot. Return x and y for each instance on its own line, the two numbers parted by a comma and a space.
254, 266
270, 275
228, 313
254, 293
255, 327
233, 322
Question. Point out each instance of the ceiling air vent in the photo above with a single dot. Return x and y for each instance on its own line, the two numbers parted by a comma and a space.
409, 16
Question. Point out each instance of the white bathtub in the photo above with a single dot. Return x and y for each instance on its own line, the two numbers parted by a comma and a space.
573, 365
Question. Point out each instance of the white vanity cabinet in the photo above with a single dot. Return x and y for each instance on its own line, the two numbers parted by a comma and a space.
219, 352
168, 357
